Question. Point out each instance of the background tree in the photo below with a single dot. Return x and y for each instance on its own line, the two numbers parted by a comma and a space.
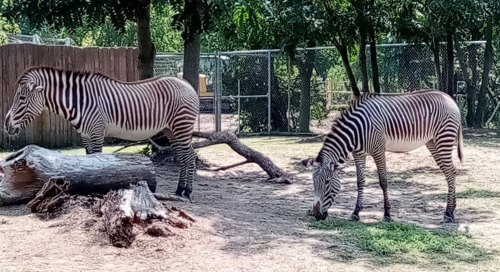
342, 33
72, 14
193, 18
485, 17
298, 24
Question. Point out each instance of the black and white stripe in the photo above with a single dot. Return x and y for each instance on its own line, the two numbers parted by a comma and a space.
376, 123
99, 106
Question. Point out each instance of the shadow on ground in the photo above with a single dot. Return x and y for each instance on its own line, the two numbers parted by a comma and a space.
257, 217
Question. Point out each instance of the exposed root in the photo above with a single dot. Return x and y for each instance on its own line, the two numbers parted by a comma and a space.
51, 197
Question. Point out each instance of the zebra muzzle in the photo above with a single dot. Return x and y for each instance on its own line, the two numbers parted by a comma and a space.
13, 130
317, 212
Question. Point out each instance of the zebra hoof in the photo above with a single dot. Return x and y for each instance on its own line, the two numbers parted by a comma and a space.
354, 218
387, 219
186, 195
179, 192
447, 219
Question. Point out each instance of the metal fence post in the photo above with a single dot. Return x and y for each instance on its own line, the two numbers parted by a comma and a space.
269, 92
288, 110
239, 105
218, 93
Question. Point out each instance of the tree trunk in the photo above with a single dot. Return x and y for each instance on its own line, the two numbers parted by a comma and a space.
345, 59
488, 55
123, 208
373, 58
362, 63
144, 44
26, 171
436, 48
306, 68
191, 67
471, 90
450, 68
473, 56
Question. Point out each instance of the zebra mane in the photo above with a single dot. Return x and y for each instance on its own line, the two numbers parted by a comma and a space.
75, 73
57, 69
353, 104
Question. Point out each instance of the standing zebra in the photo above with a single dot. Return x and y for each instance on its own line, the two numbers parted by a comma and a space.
376, 123
99, 106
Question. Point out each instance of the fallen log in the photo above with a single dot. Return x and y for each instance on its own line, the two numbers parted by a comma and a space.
123, 208
226, 137
252, 156
27, 170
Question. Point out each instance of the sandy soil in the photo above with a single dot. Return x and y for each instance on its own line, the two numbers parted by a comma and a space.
247, 224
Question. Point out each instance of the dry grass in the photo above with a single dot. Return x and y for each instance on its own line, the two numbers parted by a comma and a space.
246, 224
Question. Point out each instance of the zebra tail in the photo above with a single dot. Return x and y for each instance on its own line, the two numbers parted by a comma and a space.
460, 148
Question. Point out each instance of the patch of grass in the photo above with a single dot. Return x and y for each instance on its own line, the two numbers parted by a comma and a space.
406, 243
472, 193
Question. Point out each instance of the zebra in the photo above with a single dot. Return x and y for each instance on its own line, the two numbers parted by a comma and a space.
376, 123
99, 106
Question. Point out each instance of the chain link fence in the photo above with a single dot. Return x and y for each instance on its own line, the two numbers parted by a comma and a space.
265, 91
171, 64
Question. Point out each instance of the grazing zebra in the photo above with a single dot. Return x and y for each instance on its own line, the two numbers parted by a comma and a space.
98, 106
376, 123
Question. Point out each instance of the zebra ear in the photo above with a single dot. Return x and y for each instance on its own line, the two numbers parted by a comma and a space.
340, 166
307, 162
38, 89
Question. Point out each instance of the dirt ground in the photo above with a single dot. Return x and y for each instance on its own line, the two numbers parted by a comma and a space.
247, 224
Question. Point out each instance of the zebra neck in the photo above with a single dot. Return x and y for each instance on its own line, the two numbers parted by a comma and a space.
342, 140
63, 94
55, 105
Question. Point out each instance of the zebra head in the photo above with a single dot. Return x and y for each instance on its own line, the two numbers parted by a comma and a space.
27, 105
326, 185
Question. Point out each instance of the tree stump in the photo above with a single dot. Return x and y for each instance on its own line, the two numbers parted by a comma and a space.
123, 208
26, 171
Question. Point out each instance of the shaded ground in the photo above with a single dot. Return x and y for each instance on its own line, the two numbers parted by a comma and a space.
246, 224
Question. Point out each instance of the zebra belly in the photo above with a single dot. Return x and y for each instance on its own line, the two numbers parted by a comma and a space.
396, 145
131, 135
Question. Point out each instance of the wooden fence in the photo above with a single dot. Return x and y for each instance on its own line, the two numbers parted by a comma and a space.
50, 130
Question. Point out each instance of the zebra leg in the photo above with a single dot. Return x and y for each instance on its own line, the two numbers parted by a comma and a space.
442, 153
184, 151
181, 185
360, 160
189, 162
85, 141
379, 158
94, 142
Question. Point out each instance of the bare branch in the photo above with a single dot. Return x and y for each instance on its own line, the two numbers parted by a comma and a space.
222, 168
160, 148
202, 144
129, 145
252, 156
